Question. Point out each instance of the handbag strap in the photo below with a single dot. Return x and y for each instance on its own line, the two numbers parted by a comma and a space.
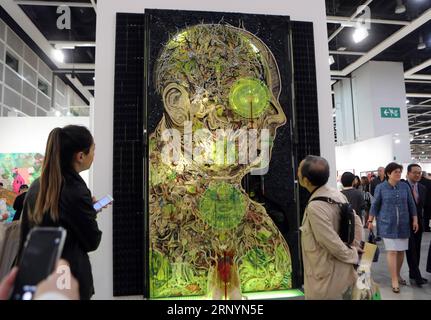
325, 199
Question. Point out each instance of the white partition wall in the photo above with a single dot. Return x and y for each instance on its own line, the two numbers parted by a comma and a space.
29, 134
376, 112
301, 10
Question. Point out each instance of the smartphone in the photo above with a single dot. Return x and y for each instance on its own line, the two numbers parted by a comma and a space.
103, 202
42, 249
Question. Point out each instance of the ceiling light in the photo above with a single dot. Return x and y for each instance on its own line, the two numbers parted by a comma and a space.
417, 133
331, 60
360, 34
423, 141
94, 78
407, 101
426, 137
397, 141
342, 49
423, 152
58, 55
400, 8
57, 113
421, 44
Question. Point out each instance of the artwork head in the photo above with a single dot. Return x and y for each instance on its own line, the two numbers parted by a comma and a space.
219, 77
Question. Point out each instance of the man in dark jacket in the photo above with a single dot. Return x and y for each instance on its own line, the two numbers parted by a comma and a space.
419, 195
375, 182
18, 204
427, 208
354, 196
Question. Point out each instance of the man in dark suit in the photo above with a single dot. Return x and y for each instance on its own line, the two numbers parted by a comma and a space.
19, 202
427, 209
375, 182
419, 192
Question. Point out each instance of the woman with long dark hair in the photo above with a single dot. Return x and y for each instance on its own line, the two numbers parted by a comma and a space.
60, 197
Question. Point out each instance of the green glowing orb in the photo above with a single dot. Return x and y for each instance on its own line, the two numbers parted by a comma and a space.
222, 206
249, 98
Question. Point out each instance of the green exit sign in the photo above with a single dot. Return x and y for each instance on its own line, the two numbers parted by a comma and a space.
386, 112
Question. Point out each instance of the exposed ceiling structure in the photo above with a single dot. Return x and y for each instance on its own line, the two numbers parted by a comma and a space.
36, 23
399, 30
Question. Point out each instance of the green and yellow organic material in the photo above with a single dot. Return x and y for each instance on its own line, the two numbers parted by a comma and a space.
207, 237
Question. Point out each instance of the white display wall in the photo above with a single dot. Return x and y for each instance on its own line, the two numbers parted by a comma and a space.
370, 154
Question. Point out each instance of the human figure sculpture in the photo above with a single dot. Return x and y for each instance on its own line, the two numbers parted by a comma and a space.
207, 237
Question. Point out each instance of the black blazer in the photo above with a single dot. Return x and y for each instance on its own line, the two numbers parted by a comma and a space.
420, 206
78, 217
427, 183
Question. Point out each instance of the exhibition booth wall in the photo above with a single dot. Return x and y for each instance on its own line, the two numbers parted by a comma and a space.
28, 135
368, 155
102, 259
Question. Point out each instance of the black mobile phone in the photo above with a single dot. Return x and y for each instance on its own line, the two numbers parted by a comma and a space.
42, 250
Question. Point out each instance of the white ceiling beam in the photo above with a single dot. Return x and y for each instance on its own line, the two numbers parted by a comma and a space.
54, 3
420, 114
419, 130
93, 3
415, 126
351, 22
417, 81
80, 87
336, 32
349, 53
81, 66
29, 28
400, 34
426, 101
418, 95
419, 77
419, 67
88, 87
423, 135
411, 106
337, 73
72, 44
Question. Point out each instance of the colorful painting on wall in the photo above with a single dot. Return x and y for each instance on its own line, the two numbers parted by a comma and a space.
17, 169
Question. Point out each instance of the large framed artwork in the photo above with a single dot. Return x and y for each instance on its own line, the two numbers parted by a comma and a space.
214, 125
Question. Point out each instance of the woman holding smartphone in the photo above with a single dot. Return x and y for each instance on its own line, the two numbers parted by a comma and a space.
60, 198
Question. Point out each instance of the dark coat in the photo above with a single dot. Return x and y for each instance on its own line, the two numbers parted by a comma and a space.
374, 184
420, 206
18, 205
78, 217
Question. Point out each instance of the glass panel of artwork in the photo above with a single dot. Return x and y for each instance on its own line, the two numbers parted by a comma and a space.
219, 86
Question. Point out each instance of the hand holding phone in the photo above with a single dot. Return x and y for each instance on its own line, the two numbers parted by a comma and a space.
42, 250
105, 201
